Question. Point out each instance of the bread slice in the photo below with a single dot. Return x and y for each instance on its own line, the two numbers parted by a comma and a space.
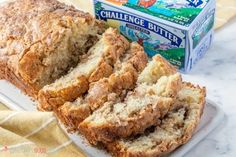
40, 40
115, 87
174, 130
157, 68
137, 112
98, 63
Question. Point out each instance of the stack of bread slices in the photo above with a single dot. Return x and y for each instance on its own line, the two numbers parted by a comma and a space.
96, 81
139, 108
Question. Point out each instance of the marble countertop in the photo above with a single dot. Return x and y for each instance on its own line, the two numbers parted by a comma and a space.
217, 71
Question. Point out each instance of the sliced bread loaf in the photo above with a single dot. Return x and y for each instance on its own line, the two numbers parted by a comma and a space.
138, 111
174, 129
96, 64
113, 88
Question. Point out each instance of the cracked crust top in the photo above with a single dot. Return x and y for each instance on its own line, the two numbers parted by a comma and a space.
39, 41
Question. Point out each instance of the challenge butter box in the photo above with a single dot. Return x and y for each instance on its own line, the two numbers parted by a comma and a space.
179, 30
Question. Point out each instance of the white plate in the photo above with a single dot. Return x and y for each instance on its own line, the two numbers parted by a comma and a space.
211, 118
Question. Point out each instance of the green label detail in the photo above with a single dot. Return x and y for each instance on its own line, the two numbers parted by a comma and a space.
181, 12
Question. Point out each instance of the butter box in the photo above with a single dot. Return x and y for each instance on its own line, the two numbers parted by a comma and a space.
179, 30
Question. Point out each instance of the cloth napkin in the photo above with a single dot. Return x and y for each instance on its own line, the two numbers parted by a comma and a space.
225, 11
38, 134
33, 134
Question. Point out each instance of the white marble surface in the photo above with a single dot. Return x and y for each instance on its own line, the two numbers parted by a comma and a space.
217, 71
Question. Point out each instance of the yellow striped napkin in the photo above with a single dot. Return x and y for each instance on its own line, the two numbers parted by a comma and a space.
28, 134
225, 11
37, 134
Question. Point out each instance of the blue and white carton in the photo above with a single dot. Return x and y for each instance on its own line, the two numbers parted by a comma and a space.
179, 30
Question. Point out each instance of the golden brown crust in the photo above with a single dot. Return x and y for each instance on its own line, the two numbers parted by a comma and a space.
165, 145
72, 116
103, 70
34, 30
7, 74
50, 100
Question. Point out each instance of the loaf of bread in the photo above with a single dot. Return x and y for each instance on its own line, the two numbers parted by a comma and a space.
174, 129
40, 40
96, 64
139, 110
122, 80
